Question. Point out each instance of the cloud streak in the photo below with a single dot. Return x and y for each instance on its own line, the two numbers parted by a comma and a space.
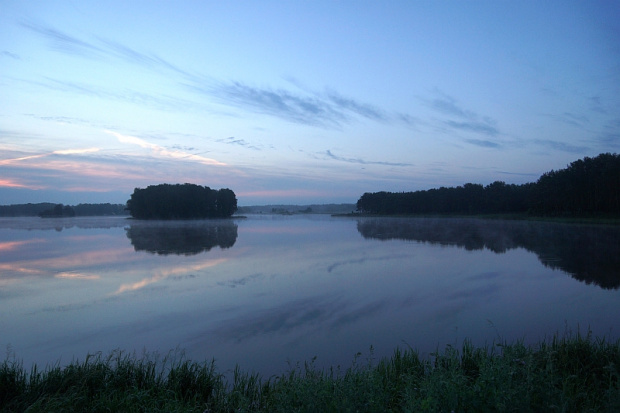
103, 48
309, 110
561, 146
43, 155
161, 151
239, 142
328, 110
462, 119
363, 161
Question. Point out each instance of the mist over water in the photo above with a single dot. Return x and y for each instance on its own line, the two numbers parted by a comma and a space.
269, 291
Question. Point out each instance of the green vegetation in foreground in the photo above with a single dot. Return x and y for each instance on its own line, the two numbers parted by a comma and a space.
570, 374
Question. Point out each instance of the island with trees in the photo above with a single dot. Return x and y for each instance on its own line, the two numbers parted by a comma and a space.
589, 187
181, 201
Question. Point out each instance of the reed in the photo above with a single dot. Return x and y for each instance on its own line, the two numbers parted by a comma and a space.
569, 373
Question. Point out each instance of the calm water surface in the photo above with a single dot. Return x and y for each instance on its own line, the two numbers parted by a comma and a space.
269, 291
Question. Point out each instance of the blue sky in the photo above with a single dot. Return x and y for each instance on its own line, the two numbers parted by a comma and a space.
300, 101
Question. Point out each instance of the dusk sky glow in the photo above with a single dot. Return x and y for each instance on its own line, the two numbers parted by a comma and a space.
300, 101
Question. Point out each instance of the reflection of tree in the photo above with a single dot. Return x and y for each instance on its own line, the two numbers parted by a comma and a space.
588, 253
181, 238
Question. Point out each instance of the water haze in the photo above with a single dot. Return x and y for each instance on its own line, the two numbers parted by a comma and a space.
268, 291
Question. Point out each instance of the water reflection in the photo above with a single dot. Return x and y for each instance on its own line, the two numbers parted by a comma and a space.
293, 287
182, 237
589, 253
60, 224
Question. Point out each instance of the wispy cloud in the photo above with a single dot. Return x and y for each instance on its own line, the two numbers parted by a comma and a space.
329, 109
362, 109
160, 102
9, 54
100, 48
160, 150
239, 142
58, 152
519, 173
561, 146
11, 183
573, 119
462, 119
483, 143
448, 106
363, 161
477, 127
64, 42
310, 110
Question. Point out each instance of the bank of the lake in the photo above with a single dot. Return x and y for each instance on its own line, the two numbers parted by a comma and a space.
567, 219
571, 373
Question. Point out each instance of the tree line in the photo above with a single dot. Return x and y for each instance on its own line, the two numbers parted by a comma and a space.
181, 201
586, 187
36, 209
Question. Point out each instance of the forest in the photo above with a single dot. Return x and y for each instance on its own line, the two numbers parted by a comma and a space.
586, 187
181, 201
49, 209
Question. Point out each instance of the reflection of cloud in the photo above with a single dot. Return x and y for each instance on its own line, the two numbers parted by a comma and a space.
163, 274
65, 264
19, 268
299, 315
240, 281
11, 245
357, 314
76, 276
362, 261
474, 295
282, 319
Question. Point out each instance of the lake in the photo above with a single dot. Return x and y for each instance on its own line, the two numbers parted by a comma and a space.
269, 291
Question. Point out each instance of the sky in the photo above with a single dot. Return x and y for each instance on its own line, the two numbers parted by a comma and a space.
300, 102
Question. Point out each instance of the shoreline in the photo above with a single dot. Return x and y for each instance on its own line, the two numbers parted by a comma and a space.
573, 372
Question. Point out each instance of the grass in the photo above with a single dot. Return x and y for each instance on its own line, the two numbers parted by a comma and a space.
572, 373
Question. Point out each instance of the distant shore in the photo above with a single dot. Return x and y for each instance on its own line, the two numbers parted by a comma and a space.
606, 220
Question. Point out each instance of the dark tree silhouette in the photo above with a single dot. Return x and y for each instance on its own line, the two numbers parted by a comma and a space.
587, 187
186, 201
58, 211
